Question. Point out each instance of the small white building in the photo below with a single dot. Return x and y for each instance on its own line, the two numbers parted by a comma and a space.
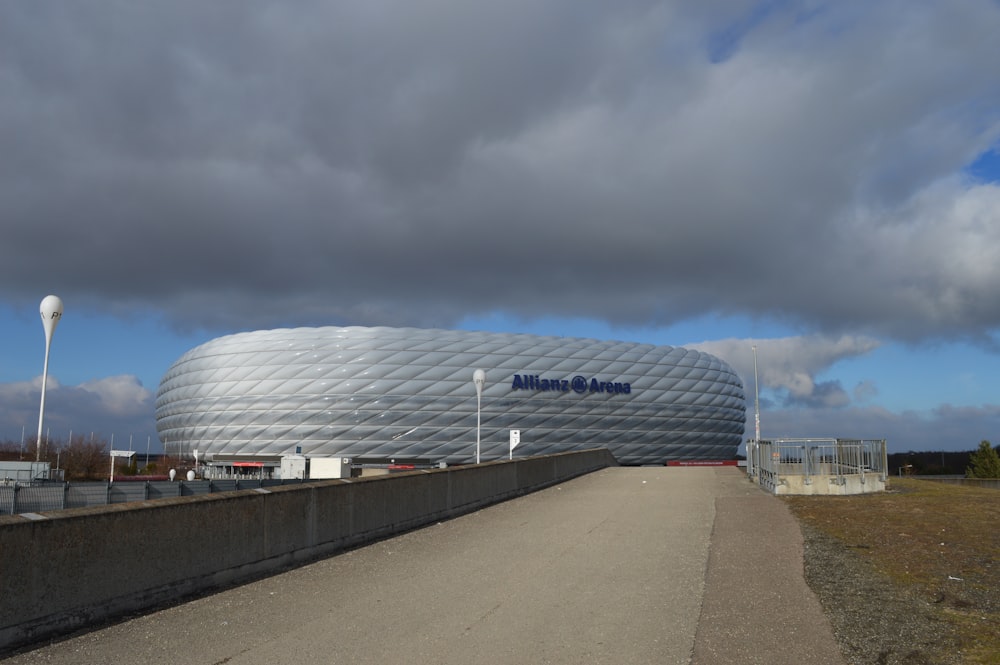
26, 472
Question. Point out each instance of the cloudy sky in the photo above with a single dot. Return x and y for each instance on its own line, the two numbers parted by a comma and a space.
820, 180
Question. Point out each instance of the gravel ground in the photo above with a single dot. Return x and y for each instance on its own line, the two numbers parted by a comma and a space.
874, 620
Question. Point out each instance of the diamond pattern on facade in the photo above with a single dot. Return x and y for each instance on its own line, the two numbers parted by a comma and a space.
408, 393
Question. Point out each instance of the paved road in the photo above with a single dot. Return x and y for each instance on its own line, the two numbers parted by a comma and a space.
626, 565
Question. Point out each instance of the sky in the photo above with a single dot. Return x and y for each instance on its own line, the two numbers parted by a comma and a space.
819, 181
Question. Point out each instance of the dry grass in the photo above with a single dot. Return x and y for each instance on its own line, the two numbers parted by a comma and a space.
941, 541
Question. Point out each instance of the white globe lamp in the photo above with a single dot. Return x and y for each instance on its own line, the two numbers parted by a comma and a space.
51, 311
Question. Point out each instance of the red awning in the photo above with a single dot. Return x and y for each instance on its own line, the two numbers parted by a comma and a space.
251, 464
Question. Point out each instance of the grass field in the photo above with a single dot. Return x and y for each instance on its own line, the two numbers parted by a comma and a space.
941, 541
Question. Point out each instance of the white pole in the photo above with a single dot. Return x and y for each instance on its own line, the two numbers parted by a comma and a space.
51, 310
756, 399
41, 408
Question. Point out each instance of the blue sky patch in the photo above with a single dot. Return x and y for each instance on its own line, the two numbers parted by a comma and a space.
986, 167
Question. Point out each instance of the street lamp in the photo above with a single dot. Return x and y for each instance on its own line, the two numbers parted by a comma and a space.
756, 396
753, 448
479, 379
51, 311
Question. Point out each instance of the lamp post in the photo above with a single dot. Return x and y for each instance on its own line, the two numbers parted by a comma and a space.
51, 311
479, 379
756, 398
753, 447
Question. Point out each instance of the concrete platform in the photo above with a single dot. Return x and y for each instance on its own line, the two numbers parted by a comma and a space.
625, 565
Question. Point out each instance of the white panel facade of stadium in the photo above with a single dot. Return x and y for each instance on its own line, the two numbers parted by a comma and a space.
406, 393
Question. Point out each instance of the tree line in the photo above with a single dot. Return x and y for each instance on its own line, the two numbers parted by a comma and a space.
84, 458
950, 462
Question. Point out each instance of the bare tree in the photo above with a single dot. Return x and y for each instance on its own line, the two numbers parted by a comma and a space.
85, 460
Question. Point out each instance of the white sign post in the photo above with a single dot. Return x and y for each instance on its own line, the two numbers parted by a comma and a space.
118, 453
515, 438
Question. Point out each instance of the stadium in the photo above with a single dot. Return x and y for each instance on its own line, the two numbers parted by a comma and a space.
408, 394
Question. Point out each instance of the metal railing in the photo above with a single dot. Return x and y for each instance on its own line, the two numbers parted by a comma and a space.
768, 460
18, 498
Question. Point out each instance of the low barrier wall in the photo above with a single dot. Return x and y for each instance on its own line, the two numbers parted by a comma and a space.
69, 569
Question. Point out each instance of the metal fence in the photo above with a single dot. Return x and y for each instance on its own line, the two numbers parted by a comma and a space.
768, 460
17, 498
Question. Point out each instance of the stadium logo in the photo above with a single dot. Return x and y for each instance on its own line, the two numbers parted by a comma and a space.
578, 384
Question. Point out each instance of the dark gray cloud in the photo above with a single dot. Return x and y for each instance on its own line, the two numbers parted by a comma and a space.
244, 164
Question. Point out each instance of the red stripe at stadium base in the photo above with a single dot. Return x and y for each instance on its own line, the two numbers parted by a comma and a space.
709, 462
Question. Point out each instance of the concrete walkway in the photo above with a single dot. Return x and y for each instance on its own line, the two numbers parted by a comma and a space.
625, 565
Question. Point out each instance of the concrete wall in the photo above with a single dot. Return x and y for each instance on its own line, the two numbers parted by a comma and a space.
829, 484
64, 570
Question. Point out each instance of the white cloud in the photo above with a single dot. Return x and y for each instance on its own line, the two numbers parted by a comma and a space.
115, 404
789, 365
120, 395
865, 391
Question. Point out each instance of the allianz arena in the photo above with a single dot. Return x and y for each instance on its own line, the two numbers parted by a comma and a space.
394, 393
